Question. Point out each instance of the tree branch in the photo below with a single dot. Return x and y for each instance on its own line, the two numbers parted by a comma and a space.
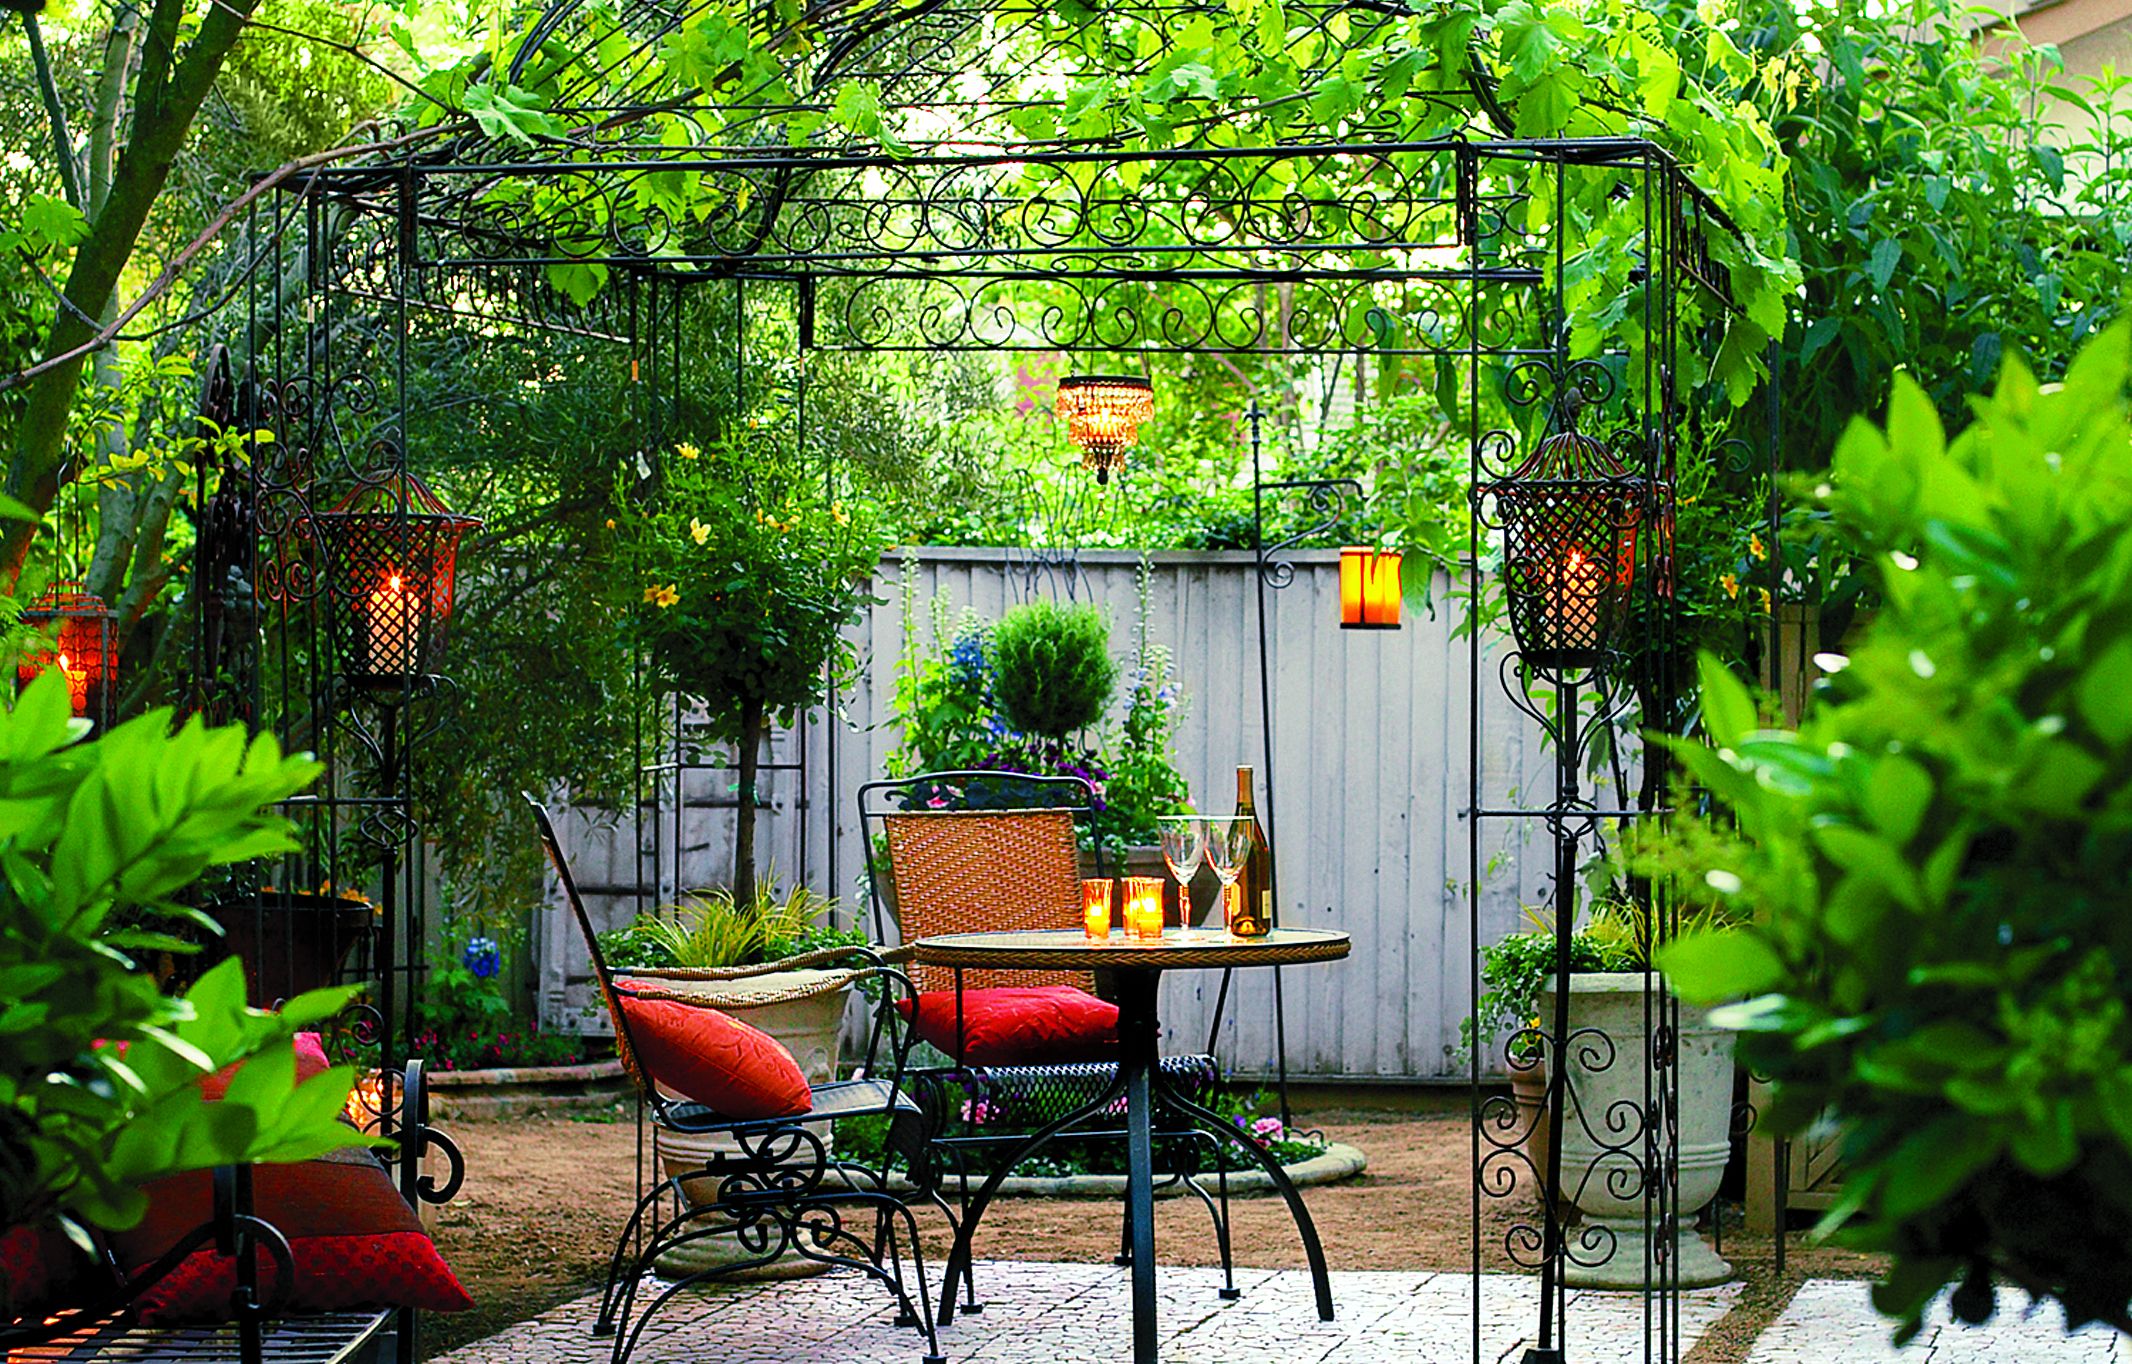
110, 98
56, 112
110, 332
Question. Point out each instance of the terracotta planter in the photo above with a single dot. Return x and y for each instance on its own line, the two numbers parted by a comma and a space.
812, 1029
1528, 1090
291, 941
1609, 1056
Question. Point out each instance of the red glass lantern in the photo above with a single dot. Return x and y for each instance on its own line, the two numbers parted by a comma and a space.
1103, 413
83, 649
1569, 515
1369, 588
391, 550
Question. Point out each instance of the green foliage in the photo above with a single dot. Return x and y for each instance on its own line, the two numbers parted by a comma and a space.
942, 695
1514, 969
1939, 219
464, 1019
742, 576
1051, 667
711, 930
1937, 859
98, 1068
1143, 783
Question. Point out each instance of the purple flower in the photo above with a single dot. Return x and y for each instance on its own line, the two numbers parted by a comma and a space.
482, 957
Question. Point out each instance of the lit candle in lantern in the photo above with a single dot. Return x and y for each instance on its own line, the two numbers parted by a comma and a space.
389, 627
1095, 907
1143, 908
1575, 595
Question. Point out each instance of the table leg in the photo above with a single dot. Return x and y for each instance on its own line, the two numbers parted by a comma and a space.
959, 1258
1320, 1280
1137, 1042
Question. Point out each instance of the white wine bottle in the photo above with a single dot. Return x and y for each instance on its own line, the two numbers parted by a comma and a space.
1251, 915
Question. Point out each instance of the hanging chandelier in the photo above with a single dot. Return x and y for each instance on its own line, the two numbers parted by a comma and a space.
1103, 413
83, 650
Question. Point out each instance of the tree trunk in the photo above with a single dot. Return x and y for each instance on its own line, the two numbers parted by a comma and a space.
751, 727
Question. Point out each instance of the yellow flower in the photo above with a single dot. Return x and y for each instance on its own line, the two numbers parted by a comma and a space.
1730, 584
697, 531
610, 523
686, 450
842, 519
662, 597
1765, 599
1756, 547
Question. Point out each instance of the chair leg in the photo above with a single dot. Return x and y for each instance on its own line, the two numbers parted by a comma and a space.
925, 1320
611, 1294
1124, 1256
1229, 1292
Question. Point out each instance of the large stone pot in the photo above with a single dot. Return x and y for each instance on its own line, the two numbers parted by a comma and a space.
812, 1029
292, 941
1608, 1055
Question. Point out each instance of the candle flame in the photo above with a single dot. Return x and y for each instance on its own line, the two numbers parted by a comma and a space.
393, 581
64, 664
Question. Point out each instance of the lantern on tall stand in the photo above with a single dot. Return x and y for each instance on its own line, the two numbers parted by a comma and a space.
1103, 413
83, 649
1569, 516
392, 547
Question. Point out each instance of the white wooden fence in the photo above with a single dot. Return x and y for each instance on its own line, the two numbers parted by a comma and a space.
1369, 788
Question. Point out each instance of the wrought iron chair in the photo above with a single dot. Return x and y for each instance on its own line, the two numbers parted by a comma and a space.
971, 851
781, 1189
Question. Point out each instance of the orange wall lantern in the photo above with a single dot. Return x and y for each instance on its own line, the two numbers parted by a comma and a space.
1369, 588
83, 650
393, 551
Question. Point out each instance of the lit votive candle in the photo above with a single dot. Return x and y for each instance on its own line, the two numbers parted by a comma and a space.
1095, 907
1143, 908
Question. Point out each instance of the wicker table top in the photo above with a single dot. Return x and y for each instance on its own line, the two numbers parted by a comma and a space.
1070, 950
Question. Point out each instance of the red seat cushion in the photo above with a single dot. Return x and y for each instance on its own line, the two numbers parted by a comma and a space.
38, 1267
310, 1060
354, 1240
726, 1065
1016, 1025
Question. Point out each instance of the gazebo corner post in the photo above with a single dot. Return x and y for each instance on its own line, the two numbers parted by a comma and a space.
1262, 563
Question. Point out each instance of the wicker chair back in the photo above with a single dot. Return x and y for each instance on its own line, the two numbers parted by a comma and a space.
970, 871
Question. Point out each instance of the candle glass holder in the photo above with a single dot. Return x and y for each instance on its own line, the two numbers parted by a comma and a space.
1143, 908
1097, 893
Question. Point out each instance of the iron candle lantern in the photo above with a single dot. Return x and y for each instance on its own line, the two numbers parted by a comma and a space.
1103, 413
1569, 516
393, 550
83, 650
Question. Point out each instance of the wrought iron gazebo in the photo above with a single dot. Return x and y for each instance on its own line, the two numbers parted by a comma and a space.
910, 177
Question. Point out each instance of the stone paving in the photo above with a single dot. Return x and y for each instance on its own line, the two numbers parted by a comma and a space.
1039, 1313
1832, 1320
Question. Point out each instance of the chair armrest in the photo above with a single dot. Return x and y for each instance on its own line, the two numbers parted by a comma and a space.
411, 1128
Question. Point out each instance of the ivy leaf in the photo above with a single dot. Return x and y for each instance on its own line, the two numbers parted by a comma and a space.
507, 111
52, 222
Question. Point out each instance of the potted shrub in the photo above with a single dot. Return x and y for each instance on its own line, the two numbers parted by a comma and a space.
1933, 865
711, 930
485, 1059
1609, 1051
742, 575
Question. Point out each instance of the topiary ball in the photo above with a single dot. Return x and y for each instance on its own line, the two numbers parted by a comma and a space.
1052, 669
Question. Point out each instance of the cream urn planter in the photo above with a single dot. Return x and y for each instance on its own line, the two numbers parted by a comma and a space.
1608, 1056
812, 1029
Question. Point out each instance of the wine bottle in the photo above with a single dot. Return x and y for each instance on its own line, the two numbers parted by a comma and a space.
1252, 914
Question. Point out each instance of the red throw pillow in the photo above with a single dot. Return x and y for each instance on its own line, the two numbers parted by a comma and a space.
354, 1240
38, 1267
310, 1060
722, 1063
1018, 1025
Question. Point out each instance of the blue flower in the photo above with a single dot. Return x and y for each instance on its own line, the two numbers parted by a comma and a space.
966, 660
482, 957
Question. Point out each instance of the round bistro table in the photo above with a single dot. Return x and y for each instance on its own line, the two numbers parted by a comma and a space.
1137, 968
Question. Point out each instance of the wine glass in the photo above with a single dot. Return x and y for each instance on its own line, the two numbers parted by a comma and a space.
1228, 845
1184, 843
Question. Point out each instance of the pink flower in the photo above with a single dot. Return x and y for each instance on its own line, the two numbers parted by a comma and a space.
938, 802
1267, 1128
